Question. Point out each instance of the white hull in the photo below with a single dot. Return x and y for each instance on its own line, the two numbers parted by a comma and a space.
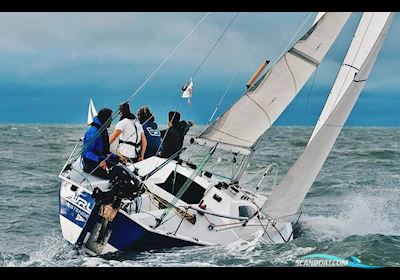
134, 226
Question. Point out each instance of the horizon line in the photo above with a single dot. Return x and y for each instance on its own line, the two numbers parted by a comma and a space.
199, 124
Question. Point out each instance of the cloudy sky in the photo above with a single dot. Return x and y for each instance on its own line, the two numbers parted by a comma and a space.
52, 63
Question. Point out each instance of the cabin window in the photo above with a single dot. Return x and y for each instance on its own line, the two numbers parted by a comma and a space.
246, 211
192, 195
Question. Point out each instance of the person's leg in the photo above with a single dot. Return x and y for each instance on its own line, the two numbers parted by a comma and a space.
90, 165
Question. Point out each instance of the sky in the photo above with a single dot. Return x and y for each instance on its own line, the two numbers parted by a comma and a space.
51, 64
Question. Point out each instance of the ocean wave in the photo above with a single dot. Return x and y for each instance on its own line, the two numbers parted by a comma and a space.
371, 212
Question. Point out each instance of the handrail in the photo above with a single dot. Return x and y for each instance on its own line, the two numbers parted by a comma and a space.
70, 156
268, 171
218, 215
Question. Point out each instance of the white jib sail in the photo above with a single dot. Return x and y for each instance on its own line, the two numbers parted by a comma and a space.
258, 109
91, 112
367, 32
286, 198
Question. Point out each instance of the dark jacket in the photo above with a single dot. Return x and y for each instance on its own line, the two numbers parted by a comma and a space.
98, 148
173, 141
153, 137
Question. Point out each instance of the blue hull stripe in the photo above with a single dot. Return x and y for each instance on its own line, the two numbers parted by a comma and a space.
127, 235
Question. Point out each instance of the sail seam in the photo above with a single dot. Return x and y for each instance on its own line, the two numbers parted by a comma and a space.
333, 125
351, 66
291, 73
304, 56
231, 136
224, 145
261, 108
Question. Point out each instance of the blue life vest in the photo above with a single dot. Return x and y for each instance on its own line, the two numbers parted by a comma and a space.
96, 147
153, 137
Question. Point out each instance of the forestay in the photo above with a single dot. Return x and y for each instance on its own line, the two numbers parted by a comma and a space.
286, 198
243, 124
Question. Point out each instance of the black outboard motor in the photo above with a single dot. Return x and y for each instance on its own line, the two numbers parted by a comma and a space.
124, 185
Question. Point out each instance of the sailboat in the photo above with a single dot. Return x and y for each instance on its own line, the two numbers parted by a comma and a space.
162, 203
91, 112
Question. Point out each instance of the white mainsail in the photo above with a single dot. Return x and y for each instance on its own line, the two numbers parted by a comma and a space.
367, 32
91, 112
286, 198
244, 123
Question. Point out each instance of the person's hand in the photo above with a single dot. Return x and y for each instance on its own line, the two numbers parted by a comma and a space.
123, 160
140, 158
103, 165
190, 123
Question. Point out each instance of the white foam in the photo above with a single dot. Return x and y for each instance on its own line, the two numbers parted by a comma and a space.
373, 212
248, 246
289, 254
52, 248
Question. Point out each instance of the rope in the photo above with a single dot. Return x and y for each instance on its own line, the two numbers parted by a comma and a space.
200, 65
208, 54
153, 197
115, 114
155, 71
159, 67
309, 95
265, 228
298, 28
227, 89
216, 43
222, 225
233, 78
166, 59
183, 217
195, 72
259, 219
186, 185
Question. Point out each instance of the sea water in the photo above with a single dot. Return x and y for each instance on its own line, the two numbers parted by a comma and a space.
352, 208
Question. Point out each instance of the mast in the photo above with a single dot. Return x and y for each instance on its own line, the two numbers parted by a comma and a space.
245, 163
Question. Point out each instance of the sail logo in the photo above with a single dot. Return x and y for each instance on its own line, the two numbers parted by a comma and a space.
323, 260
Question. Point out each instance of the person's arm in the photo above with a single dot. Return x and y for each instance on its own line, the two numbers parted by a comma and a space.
186, 126
89, 145
115, 135
143, 143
